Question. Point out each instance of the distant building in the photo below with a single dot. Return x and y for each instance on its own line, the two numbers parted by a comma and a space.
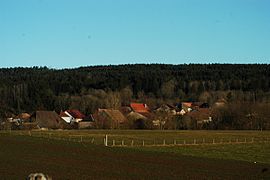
139, 108
109, 119
73, 115
47, 119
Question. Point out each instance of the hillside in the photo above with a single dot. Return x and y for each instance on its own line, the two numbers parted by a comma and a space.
29, 89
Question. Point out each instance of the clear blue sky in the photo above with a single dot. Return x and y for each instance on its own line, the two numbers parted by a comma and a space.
72, 33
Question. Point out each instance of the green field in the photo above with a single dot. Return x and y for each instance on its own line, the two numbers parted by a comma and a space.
62, 155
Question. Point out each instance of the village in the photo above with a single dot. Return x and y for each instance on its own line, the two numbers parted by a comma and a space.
184, 115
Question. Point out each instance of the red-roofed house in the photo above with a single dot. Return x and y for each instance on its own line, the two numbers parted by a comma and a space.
187, 106
72, 116
139, 107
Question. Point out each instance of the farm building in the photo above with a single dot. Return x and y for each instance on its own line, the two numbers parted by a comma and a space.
23, 117
87, 123
139, 107
187, 106
167, 108
48, 119
73, 115
200, 116
136, 120
109, 119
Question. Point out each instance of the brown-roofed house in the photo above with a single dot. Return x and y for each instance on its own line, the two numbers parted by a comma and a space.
24, 116
110, 119
201, 116
48, 119
86, 123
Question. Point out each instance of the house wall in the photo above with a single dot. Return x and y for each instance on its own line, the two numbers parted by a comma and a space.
85, 125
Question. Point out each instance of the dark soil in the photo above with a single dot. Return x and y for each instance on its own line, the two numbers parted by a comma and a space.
21, 155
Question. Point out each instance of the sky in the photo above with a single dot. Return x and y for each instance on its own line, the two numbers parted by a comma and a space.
73, 33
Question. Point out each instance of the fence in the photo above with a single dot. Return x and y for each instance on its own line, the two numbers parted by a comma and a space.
115, 141
174, 142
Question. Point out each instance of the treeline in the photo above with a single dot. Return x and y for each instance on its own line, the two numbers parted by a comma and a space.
88, 88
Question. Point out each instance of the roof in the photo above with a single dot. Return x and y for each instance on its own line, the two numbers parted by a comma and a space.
76, 114
166, 107
135, 116
49, 119
125, 110
200, 114
139, 107
115, 115
63, 114
187, 104
23, 116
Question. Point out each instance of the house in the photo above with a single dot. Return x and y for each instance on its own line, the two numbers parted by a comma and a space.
139, 108
137, 120
200, 116
24, 117
109, 119
182, 112
86, 123
73, 115
196, 105
48, 119
166, 108
187, 106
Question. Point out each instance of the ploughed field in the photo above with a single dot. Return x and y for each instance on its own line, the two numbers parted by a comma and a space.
82, 154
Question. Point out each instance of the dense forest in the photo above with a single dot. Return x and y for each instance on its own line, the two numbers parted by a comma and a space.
89, 88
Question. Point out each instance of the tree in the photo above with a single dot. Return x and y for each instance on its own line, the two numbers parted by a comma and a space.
167, 88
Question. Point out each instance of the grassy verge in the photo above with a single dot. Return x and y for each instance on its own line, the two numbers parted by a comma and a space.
257, 152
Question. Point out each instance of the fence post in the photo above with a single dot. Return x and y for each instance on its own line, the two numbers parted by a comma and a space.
93, 140
143, 142
81, 139
184, 141
106, 140
164, 142
194, 141
174, 142
132, 143
113, 142
123, 143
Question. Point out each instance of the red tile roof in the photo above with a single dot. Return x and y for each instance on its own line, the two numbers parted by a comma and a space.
187, 104
76, 114
139, 107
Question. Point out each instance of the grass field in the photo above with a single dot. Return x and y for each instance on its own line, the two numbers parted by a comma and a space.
50, 152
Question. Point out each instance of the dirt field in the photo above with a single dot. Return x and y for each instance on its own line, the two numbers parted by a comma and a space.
22, 155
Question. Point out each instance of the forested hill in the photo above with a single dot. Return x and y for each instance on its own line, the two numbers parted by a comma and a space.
28, 89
